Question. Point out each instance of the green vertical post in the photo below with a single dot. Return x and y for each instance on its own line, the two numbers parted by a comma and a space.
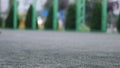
84, 8
104, 15
55, 17
78, 14
34, 15
15, 15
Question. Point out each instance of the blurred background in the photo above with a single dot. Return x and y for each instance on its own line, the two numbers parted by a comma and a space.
75, 39
88, 15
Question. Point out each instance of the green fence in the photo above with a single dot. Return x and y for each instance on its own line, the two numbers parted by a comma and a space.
80, 5
104, 15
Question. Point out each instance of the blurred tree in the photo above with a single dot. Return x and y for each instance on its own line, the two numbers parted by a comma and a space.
0, 22
89, 7
95, 21
28, 21
70, 23
49, 21
118, 24
88, 12
9, 20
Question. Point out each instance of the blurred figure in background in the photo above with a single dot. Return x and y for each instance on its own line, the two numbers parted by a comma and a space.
63, 4
113, 13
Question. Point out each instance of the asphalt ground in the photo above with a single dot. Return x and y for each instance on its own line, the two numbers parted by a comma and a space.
58, 49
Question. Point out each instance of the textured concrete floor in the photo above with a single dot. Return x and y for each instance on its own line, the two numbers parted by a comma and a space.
52, 49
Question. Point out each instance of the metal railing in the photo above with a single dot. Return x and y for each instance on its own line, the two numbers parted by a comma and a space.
80, 5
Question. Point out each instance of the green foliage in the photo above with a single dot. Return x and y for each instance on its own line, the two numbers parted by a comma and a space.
9, 20
95, 21
49, 21
118, 24
0, 22
70, 23
28, 21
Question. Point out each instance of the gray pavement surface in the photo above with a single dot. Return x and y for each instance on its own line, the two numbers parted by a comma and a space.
52, 49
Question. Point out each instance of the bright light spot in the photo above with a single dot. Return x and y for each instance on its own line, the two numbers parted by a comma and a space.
40, 21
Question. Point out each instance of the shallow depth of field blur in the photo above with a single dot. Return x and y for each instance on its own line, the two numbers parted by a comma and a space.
59, 34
